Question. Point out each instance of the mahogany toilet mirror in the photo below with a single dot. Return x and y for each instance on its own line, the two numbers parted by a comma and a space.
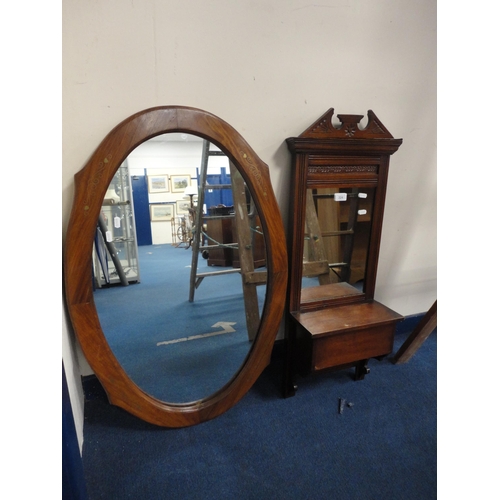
91, 185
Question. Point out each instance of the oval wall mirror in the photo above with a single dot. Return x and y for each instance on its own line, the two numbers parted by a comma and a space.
179, 326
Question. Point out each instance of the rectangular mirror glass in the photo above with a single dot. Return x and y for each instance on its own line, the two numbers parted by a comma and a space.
337, 231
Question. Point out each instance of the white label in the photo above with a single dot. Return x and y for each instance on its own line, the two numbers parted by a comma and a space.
108, 236
117, 221
361, 212
340, 196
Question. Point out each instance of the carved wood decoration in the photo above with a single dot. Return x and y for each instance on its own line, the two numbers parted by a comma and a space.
323, 128
90, 187
337, 323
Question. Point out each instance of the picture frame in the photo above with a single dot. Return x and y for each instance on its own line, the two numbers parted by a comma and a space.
182, 207
161, 212
180, 182
158, 183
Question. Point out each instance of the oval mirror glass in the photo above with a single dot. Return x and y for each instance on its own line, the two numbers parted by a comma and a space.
179, 268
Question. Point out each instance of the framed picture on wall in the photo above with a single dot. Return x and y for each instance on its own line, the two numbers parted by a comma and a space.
183, 207
158, 183
180, 183
161, 212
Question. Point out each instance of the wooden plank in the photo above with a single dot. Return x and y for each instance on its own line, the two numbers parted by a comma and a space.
198, 221
255, 278
314, 245
424, 328
244, 237
329, 223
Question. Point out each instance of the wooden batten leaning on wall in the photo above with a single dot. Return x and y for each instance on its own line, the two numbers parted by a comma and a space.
339, 181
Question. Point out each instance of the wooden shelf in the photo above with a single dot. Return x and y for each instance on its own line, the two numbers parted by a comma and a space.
335, 320
328, 292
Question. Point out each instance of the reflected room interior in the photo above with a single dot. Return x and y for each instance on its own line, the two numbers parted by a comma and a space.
336, 240
179, 302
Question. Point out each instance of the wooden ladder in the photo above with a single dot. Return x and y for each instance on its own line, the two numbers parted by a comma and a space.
315, 250
244, 222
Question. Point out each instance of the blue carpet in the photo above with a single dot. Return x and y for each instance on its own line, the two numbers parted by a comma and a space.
267, 447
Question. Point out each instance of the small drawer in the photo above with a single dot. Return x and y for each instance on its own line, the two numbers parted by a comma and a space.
349, 347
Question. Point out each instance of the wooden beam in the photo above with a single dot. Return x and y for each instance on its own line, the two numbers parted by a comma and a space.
424, 328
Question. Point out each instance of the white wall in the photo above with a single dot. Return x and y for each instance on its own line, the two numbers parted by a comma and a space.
270, 68
171, 157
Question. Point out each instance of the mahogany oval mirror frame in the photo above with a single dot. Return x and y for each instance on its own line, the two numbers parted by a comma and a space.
91, 184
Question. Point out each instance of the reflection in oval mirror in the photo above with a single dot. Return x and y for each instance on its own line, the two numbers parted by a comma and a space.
179, 268
337, 236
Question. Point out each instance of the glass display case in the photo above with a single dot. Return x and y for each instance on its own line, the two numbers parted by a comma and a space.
115, 248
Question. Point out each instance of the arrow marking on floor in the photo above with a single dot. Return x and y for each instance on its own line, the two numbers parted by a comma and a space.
226, 328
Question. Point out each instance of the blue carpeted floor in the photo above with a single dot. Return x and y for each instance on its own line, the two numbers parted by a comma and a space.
267, 447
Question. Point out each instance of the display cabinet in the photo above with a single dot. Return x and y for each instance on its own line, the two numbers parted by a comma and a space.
115, 251
337, 197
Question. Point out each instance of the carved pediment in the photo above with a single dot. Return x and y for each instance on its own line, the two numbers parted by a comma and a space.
323, 128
